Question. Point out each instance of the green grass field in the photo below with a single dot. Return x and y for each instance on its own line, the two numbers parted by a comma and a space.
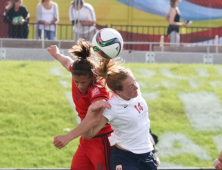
34, 109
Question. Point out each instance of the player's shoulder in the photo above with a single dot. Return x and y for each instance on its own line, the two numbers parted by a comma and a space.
172, 10
88, 6
39, 4
70, 67
98, 91
114, 99
54, 3
22, 7
99, 86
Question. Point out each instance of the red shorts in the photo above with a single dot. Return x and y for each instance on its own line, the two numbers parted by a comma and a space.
92, 154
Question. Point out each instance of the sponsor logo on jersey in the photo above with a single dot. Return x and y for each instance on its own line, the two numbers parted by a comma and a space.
95, 92
99, 166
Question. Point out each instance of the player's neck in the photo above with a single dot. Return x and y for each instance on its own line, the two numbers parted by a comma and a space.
16, 8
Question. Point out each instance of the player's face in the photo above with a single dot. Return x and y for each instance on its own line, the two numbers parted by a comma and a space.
18, 3
82, 83
78, 7
129, 89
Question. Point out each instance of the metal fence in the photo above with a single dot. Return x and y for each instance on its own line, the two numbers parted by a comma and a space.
139, 33
69, 168
128, 46
63, 31
202, 35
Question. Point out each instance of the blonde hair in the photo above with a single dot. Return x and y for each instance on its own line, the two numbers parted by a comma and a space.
113, 73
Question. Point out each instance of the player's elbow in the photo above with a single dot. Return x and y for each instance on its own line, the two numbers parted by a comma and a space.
171, 22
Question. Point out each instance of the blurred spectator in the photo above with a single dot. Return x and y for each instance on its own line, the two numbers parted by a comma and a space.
47, 16
218, 162
83, 19
173, 17
17, 18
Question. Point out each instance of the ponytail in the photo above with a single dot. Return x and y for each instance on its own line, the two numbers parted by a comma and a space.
113, 73
83, 64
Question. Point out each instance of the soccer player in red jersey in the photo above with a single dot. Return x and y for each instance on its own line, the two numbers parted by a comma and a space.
91, 154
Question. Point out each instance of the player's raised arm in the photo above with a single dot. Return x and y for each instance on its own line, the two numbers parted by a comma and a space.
64, 60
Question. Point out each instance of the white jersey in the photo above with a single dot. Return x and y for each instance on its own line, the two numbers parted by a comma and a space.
86, 13
131, 124
47, 15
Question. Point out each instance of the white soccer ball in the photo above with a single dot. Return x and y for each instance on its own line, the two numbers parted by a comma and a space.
107, 43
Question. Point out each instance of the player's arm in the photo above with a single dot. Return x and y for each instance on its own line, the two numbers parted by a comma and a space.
92, 119
93, 131
54, 21
87, 23
7, 17
218, 162
64, 60
93, 122
155, 150
168, 16
171, 16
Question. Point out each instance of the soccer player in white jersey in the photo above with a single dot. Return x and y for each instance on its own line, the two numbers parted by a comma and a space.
127, 112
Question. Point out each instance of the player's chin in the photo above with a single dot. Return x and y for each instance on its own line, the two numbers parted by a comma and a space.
83, 90
135, 95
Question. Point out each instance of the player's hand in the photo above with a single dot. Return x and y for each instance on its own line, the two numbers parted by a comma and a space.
60, 141
22, 22
14, 22
184, 24
46, 23
157, 161
218, 164
79, 24
101, 104
53, 50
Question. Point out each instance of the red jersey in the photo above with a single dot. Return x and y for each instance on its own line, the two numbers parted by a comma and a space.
82, 102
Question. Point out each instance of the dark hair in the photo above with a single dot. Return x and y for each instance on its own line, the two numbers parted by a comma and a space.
172, 3
113, 73
10, 4
77, 3
83, 64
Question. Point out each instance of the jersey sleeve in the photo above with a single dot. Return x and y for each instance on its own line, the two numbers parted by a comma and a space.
109, 114
98, 93
92, 13
71, 17
70, 67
